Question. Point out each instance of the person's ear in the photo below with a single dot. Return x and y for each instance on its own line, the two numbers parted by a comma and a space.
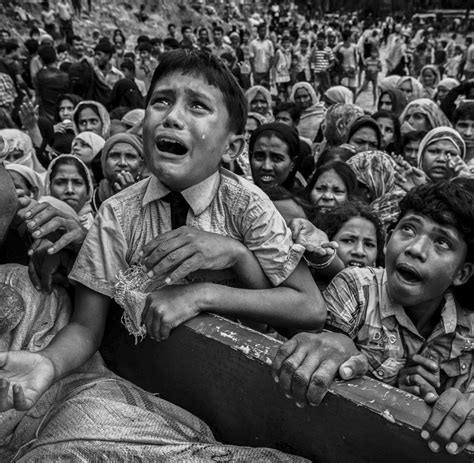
463, 274
234, 148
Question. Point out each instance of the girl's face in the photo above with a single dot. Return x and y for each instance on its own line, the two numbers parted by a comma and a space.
407, 89
82, 150
121, 158
385, 103
357, 240
69, 185
66, 108
329, 191
302, 98
428, 78
417, 120
387, 127
259, 104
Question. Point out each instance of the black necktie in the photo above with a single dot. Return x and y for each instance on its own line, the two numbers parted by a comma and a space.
179, 208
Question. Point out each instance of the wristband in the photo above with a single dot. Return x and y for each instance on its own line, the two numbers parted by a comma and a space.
323, 265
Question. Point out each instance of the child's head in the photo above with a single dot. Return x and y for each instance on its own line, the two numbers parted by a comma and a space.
463, 120
410, 144
389, 125
358, 232
195, 118
431, 248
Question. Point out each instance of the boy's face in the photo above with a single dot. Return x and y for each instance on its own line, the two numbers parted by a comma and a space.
423, 259
185, 131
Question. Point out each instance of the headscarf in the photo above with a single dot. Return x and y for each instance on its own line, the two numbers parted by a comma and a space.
448, 83
311, 117
103, 116
388, 83
134, 117
105, 188
251, 93
376, 170
429, 91
417, 88
96, 142
441, 133
397, 98
21, 141
365, 121
32, 177
430, 109
339, 94
339, 118
85, 215
126, 93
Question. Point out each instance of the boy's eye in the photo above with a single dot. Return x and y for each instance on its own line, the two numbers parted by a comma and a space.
347, 240
199, 105
443, 243
408, 229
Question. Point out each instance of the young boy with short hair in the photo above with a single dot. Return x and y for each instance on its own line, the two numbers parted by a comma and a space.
410, 320
195, 118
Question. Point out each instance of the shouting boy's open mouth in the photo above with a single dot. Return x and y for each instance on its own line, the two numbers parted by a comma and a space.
170, 145
408, 273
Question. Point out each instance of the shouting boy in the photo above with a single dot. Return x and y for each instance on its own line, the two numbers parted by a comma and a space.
410, 321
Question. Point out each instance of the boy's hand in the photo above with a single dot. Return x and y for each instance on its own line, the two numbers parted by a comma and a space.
306, 365
314, 240
451, 422
420, 378
169, 307
24, 377
182, 251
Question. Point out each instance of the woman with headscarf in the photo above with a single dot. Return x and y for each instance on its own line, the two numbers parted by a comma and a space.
410, 87
429, 78
312, 112
388, 83
26, 179
21, 150
444, 87
126, 94
259, 100
91, 116
364, 134
122, 165
274, 150
338, 94
441, 154
392, 100
68, 180
422, 114
86, 146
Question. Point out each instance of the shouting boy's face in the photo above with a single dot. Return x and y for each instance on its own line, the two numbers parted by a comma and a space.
423, 259
186, 131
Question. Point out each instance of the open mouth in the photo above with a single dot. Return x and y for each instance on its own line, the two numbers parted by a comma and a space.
355, 263
266, 178
408, 273
168, 145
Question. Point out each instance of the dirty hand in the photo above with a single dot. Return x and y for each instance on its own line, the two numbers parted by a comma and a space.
315, 241
125, 179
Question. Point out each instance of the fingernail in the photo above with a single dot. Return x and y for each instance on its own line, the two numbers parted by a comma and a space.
452, 448
36, 233
51, 251
30, 253
140, 253
425, 435
431, 397
38, 288
299, 405
346, 372
28, 214
168, 281
288, 396
434, 446
276, 378
150, 274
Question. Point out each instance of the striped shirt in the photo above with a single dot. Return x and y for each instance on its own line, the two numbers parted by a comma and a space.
321, 59
358, 304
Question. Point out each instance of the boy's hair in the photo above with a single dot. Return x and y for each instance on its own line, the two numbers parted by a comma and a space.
447, 203
171, 25
465, 110
47, 54
145, 46
304, 42
143, 39
186, 28
413, 135
334, 220
129, 65
32, 46
11, 46
156, 41
213, 71
171, 43
34, 31
321, 35
291, 109
218, 29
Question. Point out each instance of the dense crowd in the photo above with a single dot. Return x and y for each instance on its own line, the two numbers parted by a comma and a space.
231, 170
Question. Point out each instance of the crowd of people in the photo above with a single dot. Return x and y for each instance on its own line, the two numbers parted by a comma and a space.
231, 171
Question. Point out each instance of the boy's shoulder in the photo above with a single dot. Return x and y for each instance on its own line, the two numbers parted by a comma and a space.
133, 194
362, 276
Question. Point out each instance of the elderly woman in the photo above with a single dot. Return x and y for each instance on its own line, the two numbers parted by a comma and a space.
429, 78
122, 166
274, 153
260, 101
444, 87
312, 112
364, 134
422, 114
410, 87
91, 116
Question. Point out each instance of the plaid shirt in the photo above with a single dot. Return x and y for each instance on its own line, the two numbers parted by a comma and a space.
358, 305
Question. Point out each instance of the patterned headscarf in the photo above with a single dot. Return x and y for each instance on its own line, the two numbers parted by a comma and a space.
376, 170
18, 140
418, 90
430, 109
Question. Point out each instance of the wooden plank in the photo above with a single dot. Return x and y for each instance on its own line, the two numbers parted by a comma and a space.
220, 371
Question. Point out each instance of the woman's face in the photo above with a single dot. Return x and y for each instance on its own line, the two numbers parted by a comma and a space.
14, 155
302, 98
385, 103
250, 127
259, 104
407, 90
82, 150
428, 77
66, 108
442, 92
89, 121
387, 127
69, 186
435, 160
122, 158
364, 139
417, 120
271, 162
328, 191
357, 240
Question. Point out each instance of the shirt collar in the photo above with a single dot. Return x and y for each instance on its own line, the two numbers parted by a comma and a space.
198, 196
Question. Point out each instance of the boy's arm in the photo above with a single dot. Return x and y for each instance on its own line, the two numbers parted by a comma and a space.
25, 376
